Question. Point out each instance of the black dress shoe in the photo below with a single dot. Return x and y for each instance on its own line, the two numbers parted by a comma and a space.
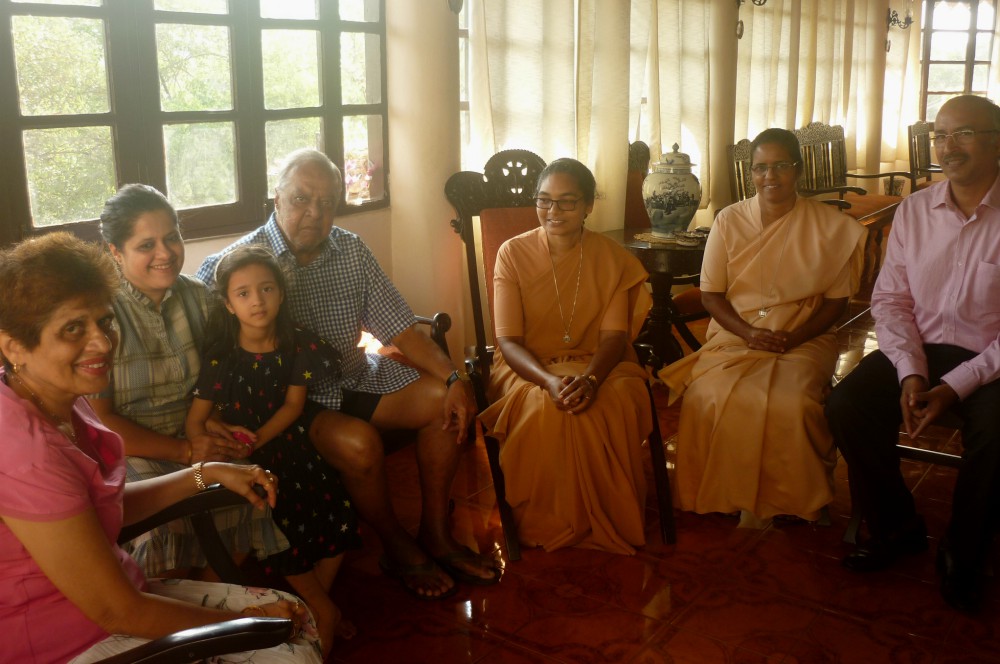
961, 586
880, 552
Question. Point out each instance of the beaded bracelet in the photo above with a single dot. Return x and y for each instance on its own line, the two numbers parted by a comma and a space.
254, 610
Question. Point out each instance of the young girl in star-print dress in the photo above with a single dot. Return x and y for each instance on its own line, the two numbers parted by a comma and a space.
257, 371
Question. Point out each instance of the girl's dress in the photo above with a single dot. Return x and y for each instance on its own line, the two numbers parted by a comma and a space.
313, 510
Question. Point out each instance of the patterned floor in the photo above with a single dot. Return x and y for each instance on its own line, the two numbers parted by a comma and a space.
721, 594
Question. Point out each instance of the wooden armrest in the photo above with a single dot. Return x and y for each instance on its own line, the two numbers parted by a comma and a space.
834, 190
439, 323
872, 176
200, 643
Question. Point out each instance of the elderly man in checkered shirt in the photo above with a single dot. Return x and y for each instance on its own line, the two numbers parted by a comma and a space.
337, 289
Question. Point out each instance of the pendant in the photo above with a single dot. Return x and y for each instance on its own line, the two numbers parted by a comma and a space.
761, 312
566, 339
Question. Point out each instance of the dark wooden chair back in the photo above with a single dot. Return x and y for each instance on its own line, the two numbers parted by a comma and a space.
740, 179
921, 155
824, 163
636, 215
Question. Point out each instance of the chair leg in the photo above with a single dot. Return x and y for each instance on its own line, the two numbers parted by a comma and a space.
216, 553
687, 335
500, 489
661, 478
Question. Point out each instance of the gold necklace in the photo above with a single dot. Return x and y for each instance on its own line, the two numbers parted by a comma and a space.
65, 428
763, 311
579, 271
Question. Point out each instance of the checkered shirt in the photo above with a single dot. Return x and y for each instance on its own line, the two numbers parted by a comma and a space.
338, 295
158, 355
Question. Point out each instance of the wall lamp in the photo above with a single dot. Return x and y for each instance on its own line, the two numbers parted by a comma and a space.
892, 19
739, 23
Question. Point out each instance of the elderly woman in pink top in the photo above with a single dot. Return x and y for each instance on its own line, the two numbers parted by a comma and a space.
63, 497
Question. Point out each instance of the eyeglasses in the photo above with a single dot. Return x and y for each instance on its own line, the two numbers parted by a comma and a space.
778, 167
960, 136
564, 204
325, 204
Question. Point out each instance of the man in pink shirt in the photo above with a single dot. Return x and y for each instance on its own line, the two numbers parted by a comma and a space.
936, 306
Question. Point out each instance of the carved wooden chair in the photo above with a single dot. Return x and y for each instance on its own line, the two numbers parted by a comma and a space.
824, 162
201, 643
921, 166
503, 199
638, 167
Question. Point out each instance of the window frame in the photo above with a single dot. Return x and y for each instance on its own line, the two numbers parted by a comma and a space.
927, 32
137, 121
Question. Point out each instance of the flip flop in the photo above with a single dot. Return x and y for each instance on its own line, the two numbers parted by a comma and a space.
401, 572
447, 563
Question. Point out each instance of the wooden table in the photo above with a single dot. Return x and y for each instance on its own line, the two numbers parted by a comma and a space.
668, 264
875, 212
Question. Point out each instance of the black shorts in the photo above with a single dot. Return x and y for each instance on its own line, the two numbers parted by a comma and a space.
361, 405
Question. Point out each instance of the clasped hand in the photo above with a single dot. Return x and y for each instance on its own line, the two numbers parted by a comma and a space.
774, 341
922, 406
573, 394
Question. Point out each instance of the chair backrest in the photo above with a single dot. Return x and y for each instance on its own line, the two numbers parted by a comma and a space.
508, 181
636, 215
921, 166
824, 156
740, 180
496, 226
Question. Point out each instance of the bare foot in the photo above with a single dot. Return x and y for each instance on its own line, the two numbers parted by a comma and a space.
346, 630
406, 561
461, 562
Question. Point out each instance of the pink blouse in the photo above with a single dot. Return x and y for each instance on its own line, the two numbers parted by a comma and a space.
45, 477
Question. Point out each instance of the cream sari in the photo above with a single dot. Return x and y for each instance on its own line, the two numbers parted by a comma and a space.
753, 435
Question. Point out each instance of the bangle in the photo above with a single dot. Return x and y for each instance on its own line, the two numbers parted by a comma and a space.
199, 479
190, 452
254, 610
592, 379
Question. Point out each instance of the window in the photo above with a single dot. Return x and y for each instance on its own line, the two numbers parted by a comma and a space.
199, 98
955, 51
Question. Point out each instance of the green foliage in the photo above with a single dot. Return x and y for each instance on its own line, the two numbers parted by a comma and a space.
201, 163
291, 68
194, 67
70, 173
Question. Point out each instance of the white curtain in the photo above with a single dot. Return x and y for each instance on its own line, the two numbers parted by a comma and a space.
582, 78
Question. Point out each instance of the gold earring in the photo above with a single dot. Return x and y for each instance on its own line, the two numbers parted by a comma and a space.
14, 367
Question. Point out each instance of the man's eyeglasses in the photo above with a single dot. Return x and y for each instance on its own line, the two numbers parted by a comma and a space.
325, 204
564, 204
960, 136
778, 167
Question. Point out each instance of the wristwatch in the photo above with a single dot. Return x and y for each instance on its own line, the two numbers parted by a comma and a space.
456, 375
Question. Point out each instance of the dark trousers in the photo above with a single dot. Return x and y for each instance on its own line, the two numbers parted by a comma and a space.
865, 418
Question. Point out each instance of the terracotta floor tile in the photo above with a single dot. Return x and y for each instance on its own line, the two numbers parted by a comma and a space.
677, 646
833, 638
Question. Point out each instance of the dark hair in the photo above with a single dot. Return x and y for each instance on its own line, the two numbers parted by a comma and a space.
123, 209
575, 169
42, 273
223, 328
782, 138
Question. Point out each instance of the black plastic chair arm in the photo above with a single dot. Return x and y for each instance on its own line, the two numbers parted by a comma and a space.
214, 497
198, 643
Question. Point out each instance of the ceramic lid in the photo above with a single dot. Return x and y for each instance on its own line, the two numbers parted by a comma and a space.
673, 162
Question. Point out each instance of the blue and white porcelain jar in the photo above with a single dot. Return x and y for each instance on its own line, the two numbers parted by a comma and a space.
672, 193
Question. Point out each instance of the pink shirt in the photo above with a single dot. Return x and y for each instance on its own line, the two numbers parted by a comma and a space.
940, 284
45, 477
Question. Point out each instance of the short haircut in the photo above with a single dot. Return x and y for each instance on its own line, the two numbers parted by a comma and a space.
42, 273
982, 103
782, 138
304, 157
128, 204
576, 170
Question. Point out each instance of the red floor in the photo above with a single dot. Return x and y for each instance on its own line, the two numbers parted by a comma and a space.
721, 594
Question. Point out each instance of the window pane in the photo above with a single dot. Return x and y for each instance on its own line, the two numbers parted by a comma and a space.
949, 45
194, 6
297, 9
201, 163
291, 68
934, 103
980, 77
986, 15
284, 136
77, 3
952, 16
60, 64
943, 78
463, 69
364, 176
71, 172
984, 40
359, 10
194, 67
360, 68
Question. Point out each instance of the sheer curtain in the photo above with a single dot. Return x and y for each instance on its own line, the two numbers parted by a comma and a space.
582, 78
